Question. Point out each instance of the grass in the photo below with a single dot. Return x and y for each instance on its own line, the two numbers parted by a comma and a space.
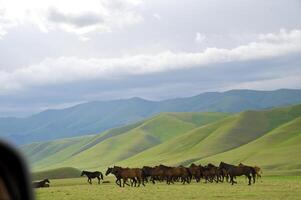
276, 188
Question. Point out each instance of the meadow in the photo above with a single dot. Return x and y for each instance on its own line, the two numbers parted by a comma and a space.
272, 187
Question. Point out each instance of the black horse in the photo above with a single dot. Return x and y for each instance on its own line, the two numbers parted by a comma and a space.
234, 171
40, 184
91, 175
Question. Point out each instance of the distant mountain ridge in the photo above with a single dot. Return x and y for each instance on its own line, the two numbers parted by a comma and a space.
98, 116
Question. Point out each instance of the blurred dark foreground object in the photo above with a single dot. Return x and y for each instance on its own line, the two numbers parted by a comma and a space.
14, 177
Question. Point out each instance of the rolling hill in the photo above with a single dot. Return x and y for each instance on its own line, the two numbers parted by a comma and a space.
269, 138
94, 117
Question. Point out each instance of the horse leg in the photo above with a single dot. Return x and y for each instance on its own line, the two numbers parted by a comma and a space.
90, 181
249, 178
143, 182
231, 180
117, 181
98, 179
135, 182
124, 180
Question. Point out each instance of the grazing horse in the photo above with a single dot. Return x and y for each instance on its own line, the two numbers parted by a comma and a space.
92, 175
234, 171
40, 184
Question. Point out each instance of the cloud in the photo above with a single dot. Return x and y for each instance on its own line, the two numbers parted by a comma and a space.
79, 21
79, 17
53, 71
157, 16
292, 82
200, 38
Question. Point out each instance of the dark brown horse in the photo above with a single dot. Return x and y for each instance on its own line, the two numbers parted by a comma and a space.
195, 172
118, 178
134, 174
256, 168
156, 173
176, 173
234, 171
40, 184
92, 175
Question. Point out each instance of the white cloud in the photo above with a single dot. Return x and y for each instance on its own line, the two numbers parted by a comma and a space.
157, 16
200, 38
71, 69
80, 17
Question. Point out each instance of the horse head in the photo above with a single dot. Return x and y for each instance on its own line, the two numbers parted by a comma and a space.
83, 173
109, 170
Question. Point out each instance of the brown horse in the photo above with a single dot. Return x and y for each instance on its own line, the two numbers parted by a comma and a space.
157, 173
195, 172
257, 170
40, 184
234, 171
118, 178
177, 173
124, 174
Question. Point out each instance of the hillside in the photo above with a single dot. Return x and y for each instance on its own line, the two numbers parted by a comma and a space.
116, 144
233, 140
269, 138
94, 117
65, 172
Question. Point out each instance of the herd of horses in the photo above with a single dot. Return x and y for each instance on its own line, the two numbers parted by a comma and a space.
161, 173
140, 176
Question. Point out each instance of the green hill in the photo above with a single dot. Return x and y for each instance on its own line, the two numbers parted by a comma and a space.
117, 144
268, 138
98, 116
65, 172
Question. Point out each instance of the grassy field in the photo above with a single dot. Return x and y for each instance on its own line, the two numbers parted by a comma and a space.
277, 187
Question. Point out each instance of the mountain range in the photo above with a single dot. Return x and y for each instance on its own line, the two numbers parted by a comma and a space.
98, 116
269, 138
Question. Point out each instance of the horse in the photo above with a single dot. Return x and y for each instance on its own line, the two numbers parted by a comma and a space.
234, 171
195, 172
134, 174
257, 170
176, 173
155, 173
111, 171
40, 184
92, 175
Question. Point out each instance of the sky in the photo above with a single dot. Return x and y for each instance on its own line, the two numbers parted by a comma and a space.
59, 53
